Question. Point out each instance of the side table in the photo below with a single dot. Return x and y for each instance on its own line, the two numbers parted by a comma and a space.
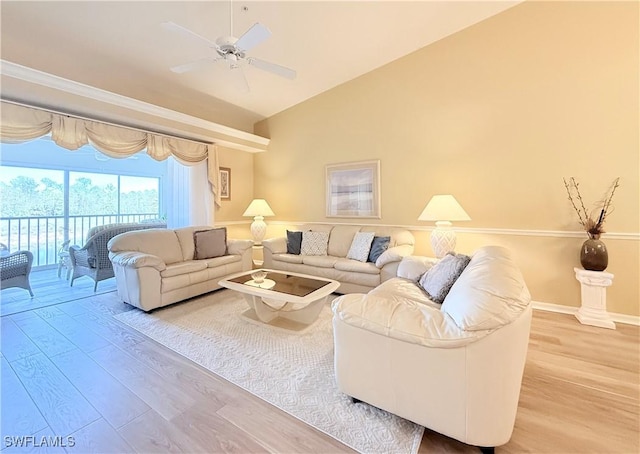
593, 289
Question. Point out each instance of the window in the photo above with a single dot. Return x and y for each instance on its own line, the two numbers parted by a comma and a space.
49, 195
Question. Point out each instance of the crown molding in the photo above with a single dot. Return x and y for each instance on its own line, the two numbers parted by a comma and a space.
220, 134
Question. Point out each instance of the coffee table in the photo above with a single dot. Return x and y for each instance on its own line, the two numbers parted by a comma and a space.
291, 296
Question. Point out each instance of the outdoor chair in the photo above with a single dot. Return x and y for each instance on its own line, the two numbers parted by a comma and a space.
92, 259
64, 261
15, 269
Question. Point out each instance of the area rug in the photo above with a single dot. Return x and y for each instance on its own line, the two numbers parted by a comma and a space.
291, 370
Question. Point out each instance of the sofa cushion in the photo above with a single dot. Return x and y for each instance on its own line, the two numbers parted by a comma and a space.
340, 239
360, 246
402, 319
440, 278
378, 246
288, 258
399, 288
399, 236
321, 261
185, 237
168, 284
179, 268
314, 243
414, 267
294, 242
490, 293
356, 266
224, 260
210, 243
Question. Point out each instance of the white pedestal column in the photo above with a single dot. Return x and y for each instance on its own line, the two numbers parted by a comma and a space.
593, 288
258, 256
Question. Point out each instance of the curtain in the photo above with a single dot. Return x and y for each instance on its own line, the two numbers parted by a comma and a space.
20, 124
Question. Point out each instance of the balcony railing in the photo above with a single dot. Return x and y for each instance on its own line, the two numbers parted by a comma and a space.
44, 235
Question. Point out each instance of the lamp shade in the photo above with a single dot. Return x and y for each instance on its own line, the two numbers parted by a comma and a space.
443, 208
259, 207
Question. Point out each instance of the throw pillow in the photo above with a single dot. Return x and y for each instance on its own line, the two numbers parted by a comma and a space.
210, 243
440, 278
378, 246
314, 243
294, 242
360, 246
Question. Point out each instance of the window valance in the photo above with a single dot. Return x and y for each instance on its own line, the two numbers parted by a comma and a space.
20, 124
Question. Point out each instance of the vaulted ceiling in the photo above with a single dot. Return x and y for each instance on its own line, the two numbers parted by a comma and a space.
121, 47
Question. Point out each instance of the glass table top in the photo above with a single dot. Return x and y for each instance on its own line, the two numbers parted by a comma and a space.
284, 283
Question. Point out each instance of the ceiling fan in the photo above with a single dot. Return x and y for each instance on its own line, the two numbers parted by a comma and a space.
232, 51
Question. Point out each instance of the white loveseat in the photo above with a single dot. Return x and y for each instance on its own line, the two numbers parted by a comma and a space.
455, 368
354, 276
154, 268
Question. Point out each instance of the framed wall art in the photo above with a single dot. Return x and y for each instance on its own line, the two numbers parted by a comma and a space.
353, 190
225, 183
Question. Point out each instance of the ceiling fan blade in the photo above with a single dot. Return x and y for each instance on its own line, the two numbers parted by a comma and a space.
239, 79
172, 26
252, 37
272, 68
192, 65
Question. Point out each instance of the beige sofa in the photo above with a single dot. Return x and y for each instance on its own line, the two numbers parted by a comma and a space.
354, 276
455, 368
154, 268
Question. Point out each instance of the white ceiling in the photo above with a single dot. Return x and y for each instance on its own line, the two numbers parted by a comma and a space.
120, 46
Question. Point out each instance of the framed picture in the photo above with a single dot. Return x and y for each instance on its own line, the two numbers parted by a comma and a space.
353, 190
225, 183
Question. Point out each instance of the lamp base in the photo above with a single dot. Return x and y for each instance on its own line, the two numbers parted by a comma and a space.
443, 239
258, 229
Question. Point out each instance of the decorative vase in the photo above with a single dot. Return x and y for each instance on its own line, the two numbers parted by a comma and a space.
594, 255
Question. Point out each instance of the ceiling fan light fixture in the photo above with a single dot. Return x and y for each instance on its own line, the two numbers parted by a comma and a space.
232, 50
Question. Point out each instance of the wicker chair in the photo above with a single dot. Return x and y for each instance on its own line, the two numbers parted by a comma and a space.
64, 261
93, 258
15, 269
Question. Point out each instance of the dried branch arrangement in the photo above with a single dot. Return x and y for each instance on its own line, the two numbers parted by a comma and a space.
593, 228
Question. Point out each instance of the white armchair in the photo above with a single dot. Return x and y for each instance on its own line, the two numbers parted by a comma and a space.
455, 368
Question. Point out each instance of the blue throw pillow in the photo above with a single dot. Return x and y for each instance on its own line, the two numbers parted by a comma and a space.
294, 242
378, 246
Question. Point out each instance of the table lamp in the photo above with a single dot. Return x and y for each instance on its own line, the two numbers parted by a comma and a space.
258, 208
443, 209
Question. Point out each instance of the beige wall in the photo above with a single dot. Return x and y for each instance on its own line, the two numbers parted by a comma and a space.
241, 165
496, 114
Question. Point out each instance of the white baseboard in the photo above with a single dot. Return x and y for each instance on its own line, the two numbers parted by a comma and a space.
619, 318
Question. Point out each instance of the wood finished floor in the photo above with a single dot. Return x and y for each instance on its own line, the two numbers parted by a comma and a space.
49, 289
72, 369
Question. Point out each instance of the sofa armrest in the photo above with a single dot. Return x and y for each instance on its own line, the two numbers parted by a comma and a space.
394, 254
276, 245
238, 247
137, 260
